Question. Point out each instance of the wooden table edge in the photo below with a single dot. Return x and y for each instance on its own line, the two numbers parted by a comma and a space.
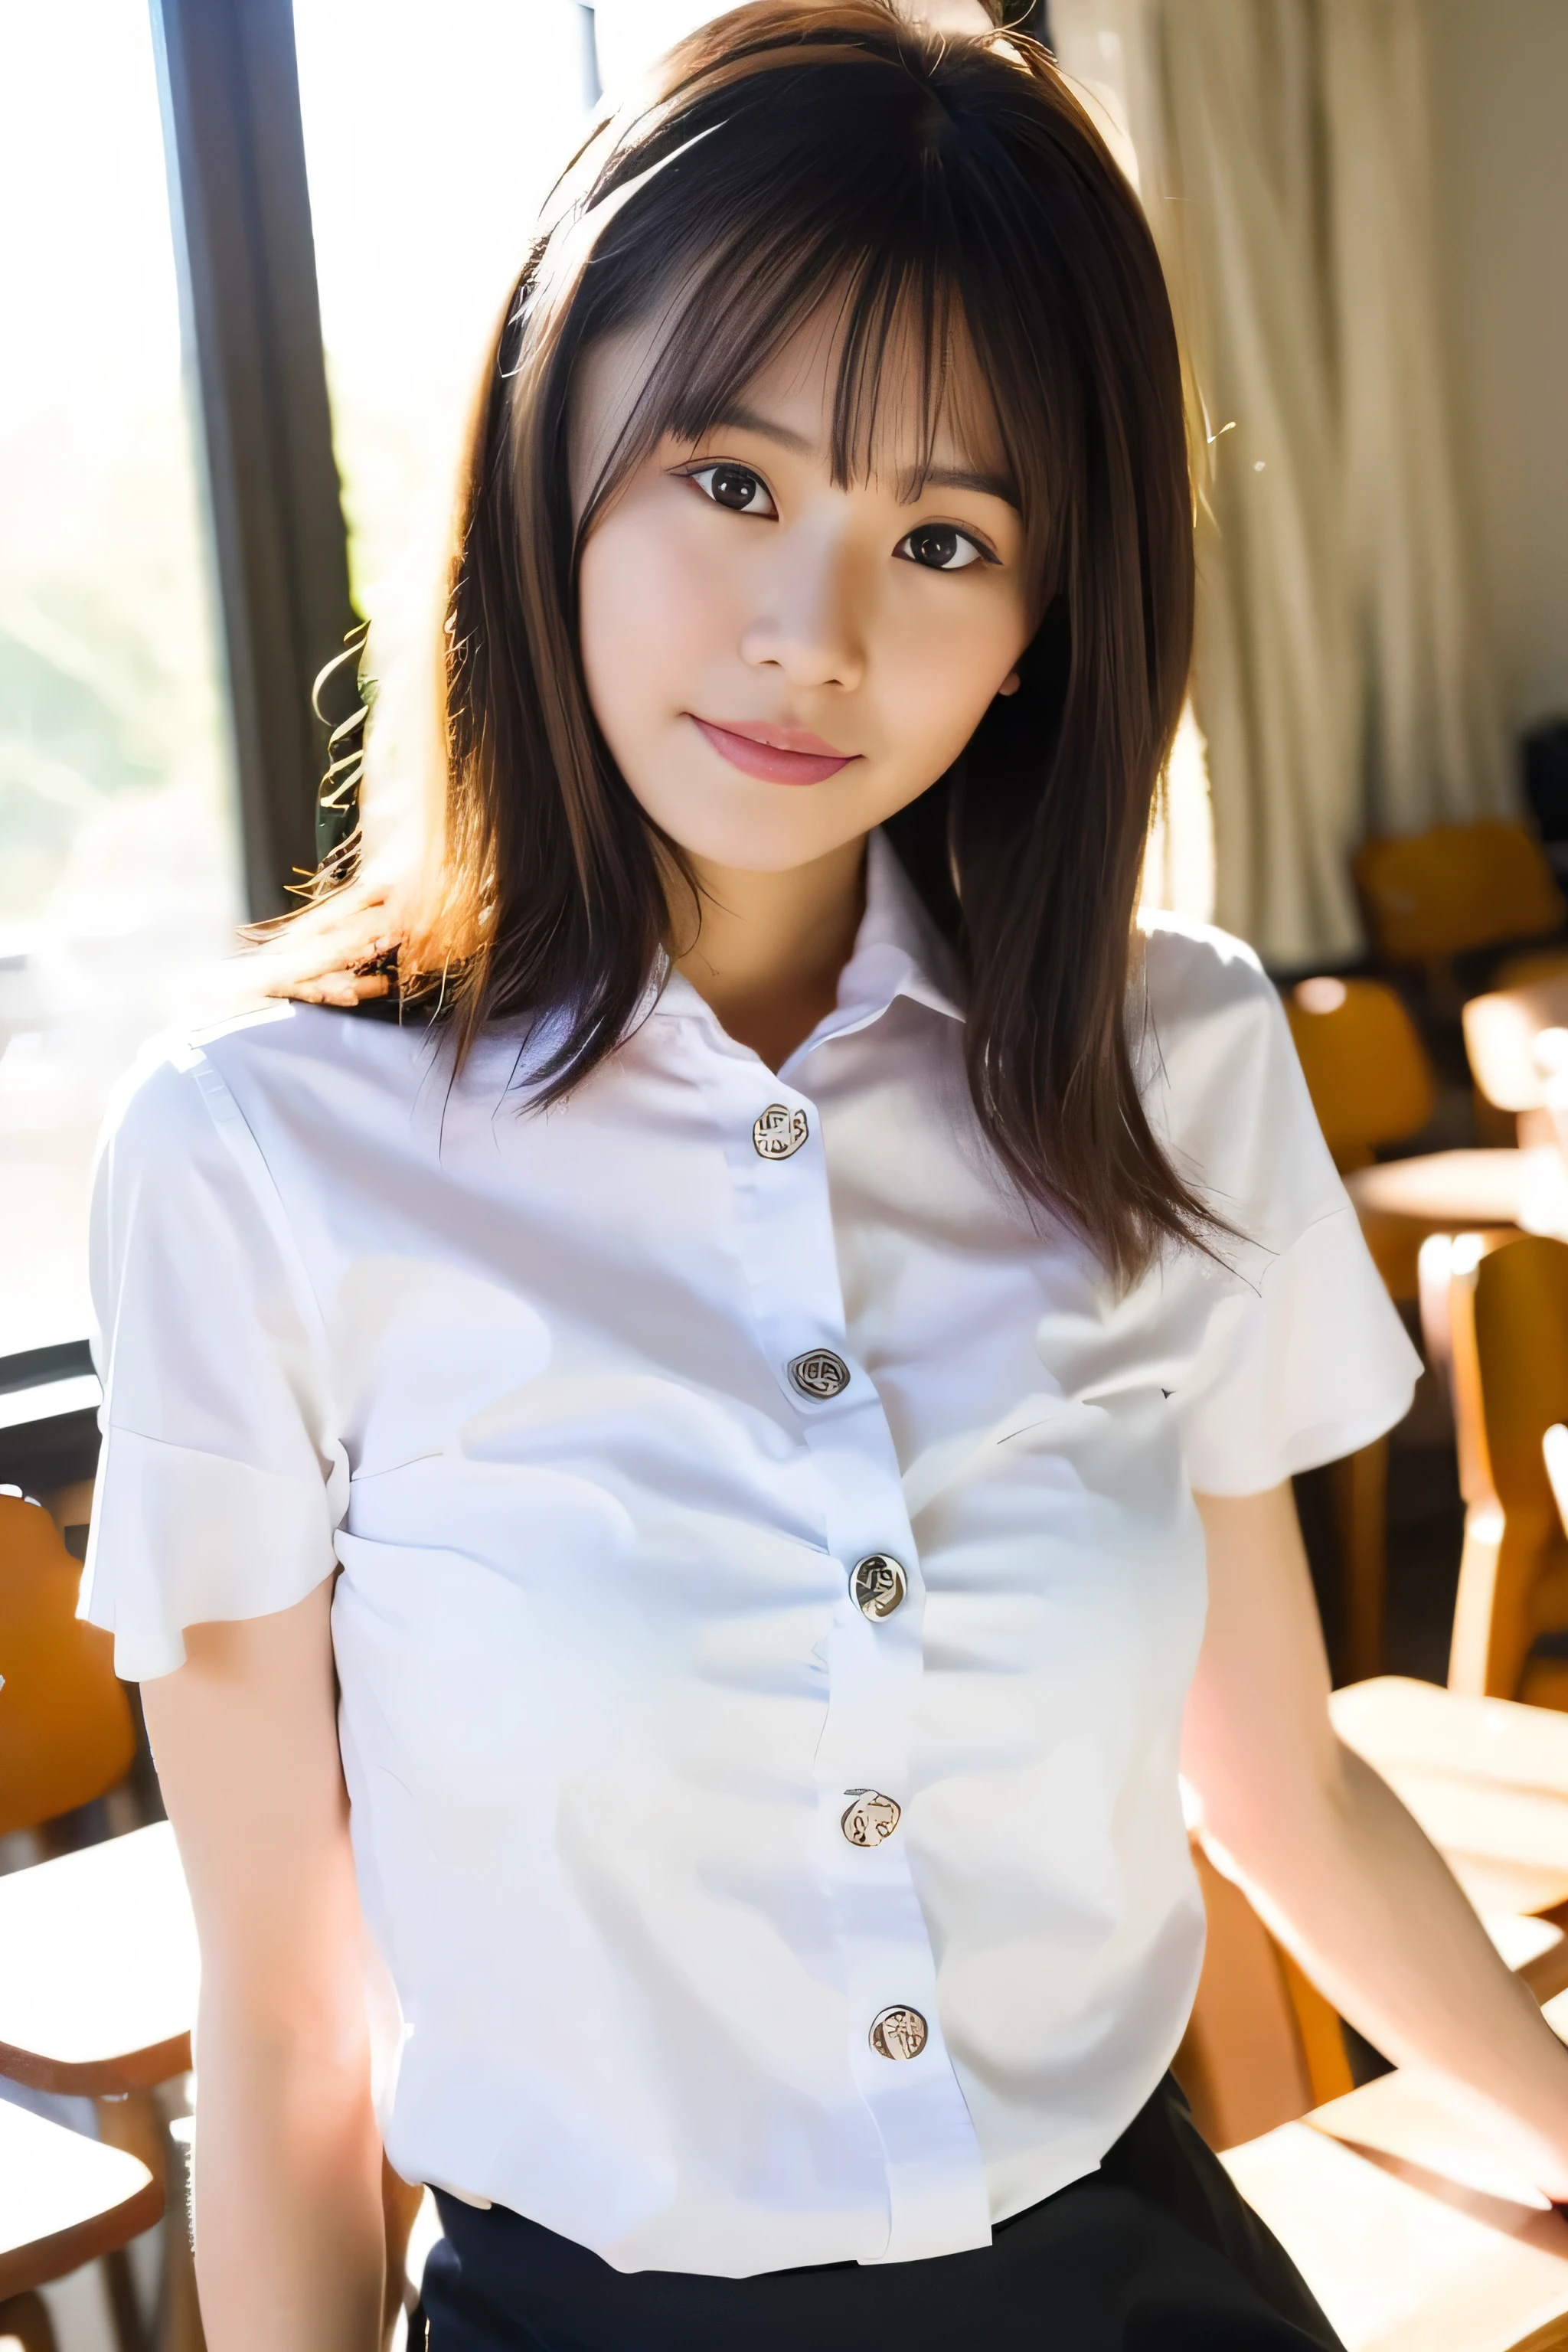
1551, 2337
131, 2070
23, 2267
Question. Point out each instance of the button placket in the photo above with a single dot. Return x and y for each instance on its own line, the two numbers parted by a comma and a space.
936, 2176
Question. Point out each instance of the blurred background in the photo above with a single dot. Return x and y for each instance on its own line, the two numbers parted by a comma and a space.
250, 257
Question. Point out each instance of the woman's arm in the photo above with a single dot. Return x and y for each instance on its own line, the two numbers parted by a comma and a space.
1333, 1859
288, 2159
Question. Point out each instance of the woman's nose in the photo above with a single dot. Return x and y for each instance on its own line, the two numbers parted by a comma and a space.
806, 621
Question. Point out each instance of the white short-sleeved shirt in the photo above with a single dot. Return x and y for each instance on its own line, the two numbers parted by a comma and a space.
600, 1411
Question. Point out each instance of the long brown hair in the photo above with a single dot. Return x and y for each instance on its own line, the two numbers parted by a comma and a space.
790, 156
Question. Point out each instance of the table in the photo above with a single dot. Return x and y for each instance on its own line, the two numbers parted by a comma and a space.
65, 2200
1488, 1780
1413, 2237
98, 1968
99, 1974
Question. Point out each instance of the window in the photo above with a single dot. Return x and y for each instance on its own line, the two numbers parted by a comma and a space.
433, 129
117, 842
432, 134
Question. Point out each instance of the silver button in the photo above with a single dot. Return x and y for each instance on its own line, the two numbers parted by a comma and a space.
899, 2033
780, 1133
819, 1374
878, 1584
870, 1818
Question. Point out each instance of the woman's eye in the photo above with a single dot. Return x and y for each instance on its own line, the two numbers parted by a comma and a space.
735, 486
941, 547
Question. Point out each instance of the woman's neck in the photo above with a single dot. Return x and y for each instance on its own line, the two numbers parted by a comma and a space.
769, 948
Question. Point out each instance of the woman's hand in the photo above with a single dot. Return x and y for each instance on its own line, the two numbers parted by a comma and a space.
1333, 1861
287, 2188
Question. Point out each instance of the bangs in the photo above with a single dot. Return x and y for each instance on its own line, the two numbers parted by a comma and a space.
879, 224
901, 338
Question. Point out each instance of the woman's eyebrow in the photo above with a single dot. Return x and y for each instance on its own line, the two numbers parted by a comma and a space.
738, 418
959, 477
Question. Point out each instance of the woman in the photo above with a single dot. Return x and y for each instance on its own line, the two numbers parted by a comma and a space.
737, 1377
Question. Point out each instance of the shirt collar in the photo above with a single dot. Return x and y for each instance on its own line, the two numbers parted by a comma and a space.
897, 951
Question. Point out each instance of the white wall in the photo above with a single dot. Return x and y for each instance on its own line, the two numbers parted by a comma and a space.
1500, 95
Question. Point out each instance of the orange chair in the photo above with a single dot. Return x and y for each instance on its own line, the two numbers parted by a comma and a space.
1506, 1040
67, 1736
1498, 1306
1371, 1084
1428, 897
67, 1733
1365, 1067
1535, 964
1410, 2230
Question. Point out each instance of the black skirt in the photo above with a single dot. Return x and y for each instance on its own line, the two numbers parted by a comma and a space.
1154, 2253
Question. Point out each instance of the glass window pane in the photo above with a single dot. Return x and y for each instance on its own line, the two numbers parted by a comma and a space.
433, 131
118, 879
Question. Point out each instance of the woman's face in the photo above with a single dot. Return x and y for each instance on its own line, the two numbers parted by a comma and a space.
778, 661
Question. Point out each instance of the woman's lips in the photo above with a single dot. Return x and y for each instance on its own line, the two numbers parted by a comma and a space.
779, 755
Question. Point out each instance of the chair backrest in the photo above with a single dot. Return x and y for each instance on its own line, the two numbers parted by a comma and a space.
1431, 894
1505, 1308
1521, 1341
67, 1733
1501, 1032
1534, 965
1365, 1067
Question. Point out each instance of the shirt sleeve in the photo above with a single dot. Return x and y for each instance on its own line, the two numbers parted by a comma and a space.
220, 1480
1302, 1358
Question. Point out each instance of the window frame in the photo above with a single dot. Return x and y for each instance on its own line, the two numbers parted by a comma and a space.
240, 208
239, 204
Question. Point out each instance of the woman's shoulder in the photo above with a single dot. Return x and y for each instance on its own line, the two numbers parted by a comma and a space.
1194, 972
1221, 1080
185, 1083
1204, 1013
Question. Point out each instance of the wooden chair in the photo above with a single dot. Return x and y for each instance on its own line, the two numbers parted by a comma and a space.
1496, 1310
1515, 1041
1413, 2236
98, 1975
1428, 897
65, 2200
25, 2325
97, 1952
1488, 1780
68, 1738
1366, 1069
1371, 1083
1535, 963
67, 1732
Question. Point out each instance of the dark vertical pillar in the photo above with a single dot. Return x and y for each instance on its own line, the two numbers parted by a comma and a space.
241, 207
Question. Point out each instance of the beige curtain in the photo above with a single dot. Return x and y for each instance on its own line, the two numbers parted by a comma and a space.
1282, 153
1434, 740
